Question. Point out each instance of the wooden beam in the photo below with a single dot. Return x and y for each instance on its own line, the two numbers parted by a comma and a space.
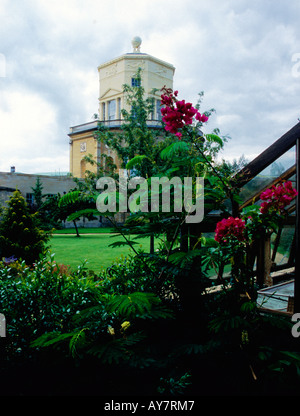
297, 231
286, 175
273, 152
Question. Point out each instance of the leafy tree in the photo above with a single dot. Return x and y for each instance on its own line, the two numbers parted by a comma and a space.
20, 235
74, 205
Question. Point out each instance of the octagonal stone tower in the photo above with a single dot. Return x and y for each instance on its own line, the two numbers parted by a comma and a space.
113, 75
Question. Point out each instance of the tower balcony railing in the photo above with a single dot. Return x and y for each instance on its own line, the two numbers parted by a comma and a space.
92, 125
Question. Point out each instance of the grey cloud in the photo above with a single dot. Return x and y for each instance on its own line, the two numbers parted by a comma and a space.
238, 53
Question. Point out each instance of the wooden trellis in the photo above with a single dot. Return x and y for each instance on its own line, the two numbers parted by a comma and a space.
265, 159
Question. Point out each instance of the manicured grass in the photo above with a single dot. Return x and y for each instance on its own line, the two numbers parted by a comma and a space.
73, 251
96, 230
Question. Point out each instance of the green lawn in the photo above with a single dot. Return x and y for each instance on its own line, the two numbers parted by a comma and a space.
92, 230
73, 251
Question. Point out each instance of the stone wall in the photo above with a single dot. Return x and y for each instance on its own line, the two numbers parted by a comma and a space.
5, 193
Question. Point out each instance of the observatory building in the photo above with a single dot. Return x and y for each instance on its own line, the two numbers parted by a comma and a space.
112, 77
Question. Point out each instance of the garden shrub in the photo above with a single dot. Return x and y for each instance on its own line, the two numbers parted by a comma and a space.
20, 235
54, 315
39, 299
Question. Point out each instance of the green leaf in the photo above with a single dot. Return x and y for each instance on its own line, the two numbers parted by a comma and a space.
214, 138
129, 306
251, 209
80, 213
292, 355
170, 151
51, 339
135, 161
122, 243
69, 198
182, 257
76, 341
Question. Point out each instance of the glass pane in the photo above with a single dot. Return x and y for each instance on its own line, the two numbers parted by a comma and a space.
112, 110
268, 175
284, 245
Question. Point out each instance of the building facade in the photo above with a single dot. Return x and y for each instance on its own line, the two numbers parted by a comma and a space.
24, 182
113, 75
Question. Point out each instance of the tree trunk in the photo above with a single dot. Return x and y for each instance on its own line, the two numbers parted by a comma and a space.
77, 232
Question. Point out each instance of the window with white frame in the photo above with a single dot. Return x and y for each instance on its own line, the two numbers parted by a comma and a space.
158, 108
119, 108
112, 110
103, 111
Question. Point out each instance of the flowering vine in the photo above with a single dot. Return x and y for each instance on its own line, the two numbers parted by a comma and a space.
230, 227
237, 236
176, 114
271, 210
277, 198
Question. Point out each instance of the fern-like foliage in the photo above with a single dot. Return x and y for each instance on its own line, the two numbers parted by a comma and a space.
52, 339
135, 161
123, 342
181, 258
138, 304
69, 198
77, 341
74, 341
170, 152
122, 243
83, 212
227, 322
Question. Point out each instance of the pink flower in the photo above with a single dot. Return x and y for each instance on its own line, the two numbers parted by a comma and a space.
202, 118
230, 227
176, 114
277, 197
264, 207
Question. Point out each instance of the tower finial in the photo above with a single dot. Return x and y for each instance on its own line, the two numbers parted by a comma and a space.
136, 43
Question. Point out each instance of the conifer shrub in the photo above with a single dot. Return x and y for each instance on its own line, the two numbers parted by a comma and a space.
20, 235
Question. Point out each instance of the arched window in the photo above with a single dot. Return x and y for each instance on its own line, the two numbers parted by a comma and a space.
82, 168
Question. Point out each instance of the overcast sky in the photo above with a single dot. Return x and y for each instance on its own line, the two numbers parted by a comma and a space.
244, 55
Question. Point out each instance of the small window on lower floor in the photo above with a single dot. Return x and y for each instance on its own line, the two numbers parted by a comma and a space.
135, 82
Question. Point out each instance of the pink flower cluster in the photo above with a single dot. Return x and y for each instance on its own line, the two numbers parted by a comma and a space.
177, 113
229, 227
277, 197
